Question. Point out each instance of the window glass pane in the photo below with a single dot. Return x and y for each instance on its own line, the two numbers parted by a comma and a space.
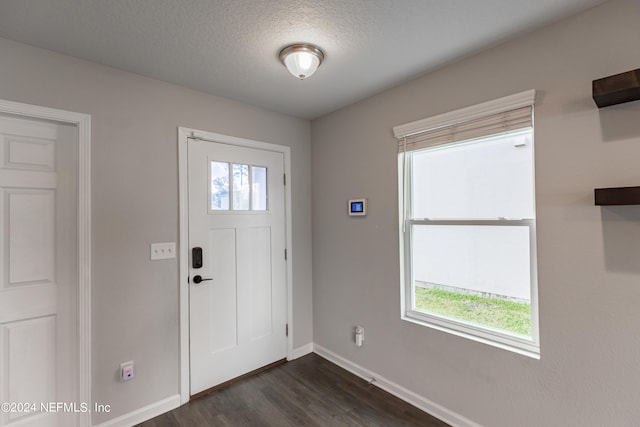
474, 273
259, 188
219, 186
486, 178
240, 187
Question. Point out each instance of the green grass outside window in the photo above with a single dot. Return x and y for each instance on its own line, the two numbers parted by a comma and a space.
499, 314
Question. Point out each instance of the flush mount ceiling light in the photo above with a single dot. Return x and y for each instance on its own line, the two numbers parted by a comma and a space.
302, 60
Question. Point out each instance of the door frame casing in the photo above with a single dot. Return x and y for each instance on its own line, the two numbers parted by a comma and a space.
82, 122
184, 134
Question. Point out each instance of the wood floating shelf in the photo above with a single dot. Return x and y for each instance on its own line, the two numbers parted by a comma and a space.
617, 196
617, 89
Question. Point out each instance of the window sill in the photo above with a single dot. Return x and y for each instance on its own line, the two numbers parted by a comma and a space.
516, 344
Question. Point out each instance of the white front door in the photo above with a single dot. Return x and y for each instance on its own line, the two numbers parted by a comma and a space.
30, 272
238, 311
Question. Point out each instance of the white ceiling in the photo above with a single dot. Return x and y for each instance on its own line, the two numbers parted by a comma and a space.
230, 47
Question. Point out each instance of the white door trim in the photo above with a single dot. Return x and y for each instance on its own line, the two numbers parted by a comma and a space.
183, 135
83, 125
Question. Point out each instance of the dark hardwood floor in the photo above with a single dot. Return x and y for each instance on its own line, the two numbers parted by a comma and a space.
309, 391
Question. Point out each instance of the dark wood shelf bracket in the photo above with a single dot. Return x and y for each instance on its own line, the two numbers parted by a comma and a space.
617, 89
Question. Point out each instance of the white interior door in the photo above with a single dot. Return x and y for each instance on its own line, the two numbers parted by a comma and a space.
238, 311
30, 261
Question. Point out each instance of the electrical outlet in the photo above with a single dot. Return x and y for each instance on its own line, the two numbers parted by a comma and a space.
163, 250
359, 335
126, 371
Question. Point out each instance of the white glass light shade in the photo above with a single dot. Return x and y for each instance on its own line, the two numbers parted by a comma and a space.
302, 60
301, 64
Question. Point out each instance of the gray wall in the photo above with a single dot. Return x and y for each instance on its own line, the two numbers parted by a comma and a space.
135, 203
589, 257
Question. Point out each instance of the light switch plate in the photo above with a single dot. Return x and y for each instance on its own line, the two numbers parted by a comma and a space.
163, 250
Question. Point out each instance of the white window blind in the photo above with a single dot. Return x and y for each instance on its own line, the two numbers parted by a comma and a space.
506, 114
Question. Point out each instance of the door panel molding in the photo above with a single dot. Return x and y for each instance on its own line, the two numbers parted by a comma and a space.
82, 123
184, 134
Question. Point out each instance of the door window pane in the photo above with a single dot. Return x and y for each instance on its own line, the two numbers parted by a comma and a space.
219, 186
238, 187
241, 187
259, 188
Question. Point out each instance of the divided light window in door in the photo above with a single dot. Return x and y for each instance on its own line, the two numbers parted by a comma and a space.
238, 187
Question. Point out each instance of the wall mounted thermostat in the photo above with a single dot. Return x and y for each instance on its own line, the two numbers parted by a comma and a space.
357, 207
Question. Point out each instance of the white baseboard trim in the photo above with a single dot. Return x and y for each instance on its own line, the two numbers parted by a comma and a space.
145, 413
302, 351
438, 411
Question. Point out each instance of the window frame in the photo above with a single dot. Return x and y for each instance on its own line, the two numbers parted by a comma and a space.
498, 338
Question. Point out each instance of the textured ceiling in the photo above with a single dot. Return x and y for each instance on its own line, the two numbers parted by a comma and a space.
229, 47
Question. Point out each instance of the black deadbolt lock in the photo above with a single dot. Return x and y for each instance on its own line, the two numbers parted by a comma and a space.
196, 258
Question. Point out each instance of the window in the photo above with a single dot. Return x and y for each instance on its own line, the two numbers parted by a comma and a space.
238, 187
467, 231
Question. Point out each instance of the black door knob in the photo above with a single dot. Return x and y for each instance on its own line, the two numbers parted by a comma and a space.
198, 279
